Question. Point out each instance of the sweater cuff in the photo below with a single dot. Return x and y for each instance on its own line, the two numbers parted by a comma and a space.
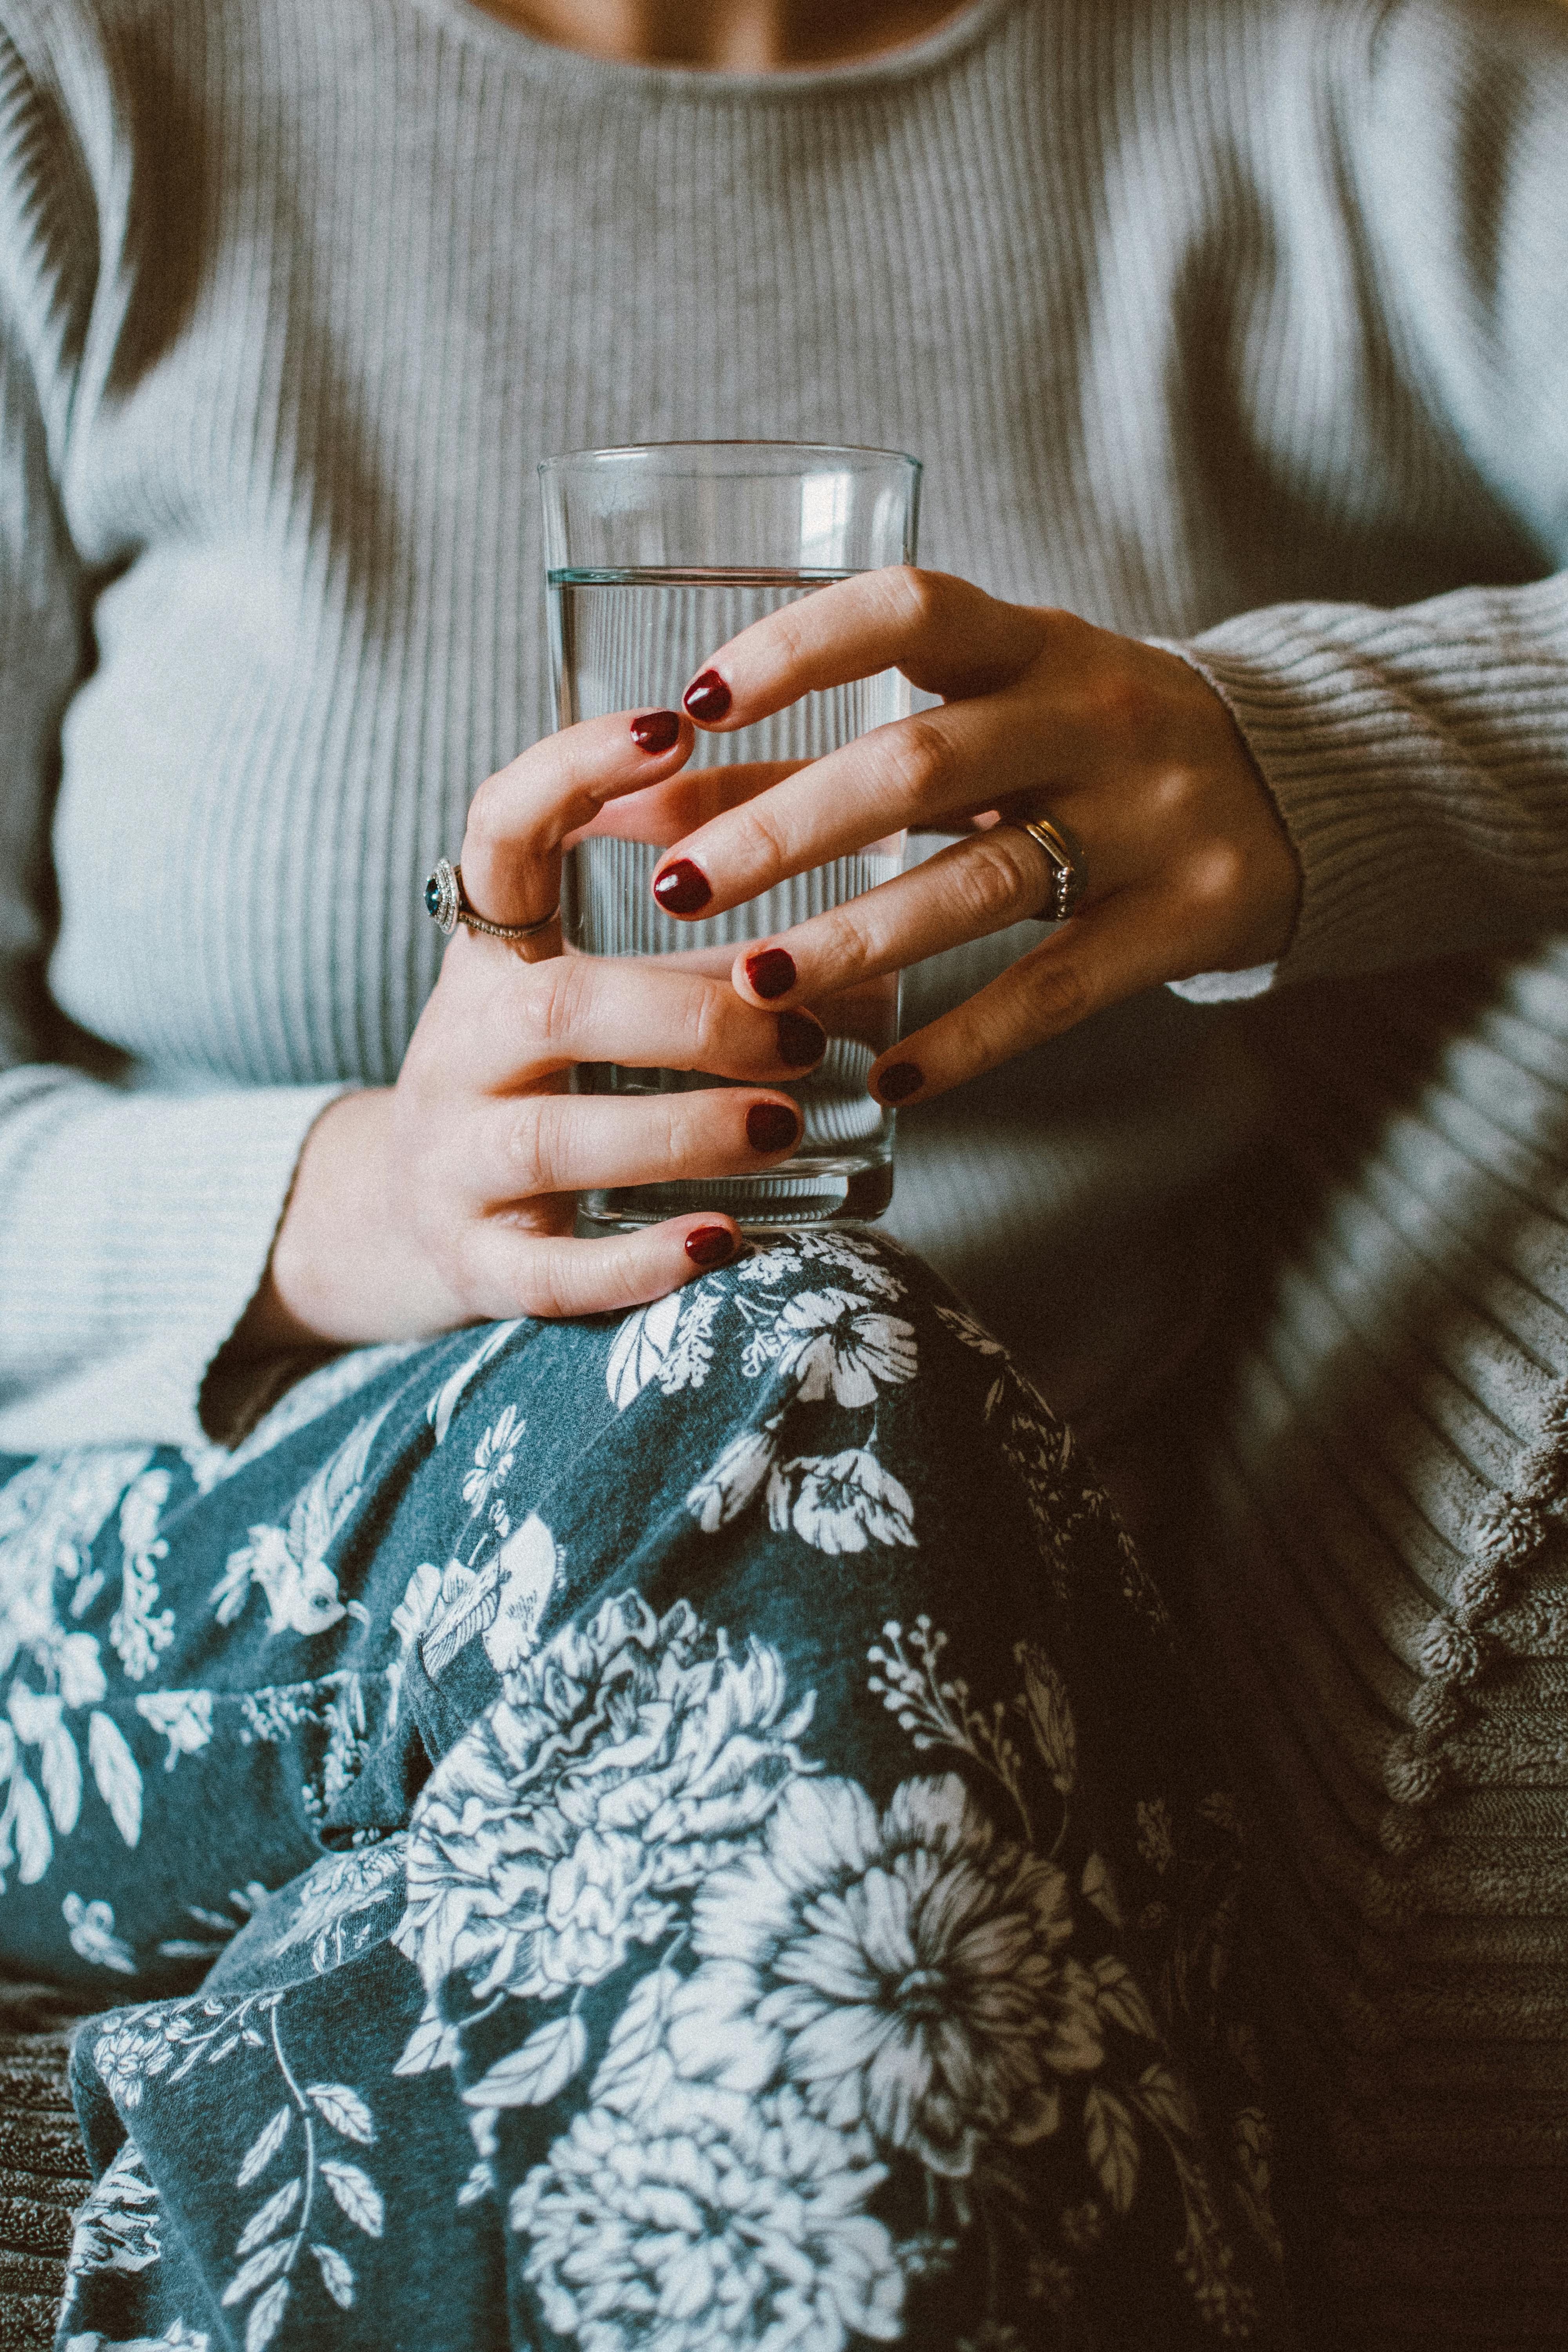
137, 1231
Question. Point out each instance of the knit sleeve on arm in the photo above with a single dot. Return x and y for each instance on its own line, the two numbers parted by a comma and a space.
134, 1228
1419, 756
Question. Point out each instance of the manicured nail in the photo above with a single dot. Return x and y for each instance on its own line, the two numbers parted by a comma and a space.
801, 1039
682, 888
898, 1081
709, 1245
770, 973
657, 731
770, 1127
707, 697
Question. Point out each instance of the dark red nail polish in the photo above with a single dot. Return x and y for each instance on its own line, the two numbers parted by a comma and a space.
801, 1039
770, 1127
682, 888
770, 973
898, 1081
709, 1245
707, 697
657, 731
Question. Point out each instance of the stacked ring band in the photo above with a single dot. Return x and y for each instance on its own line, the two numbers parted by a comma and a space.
1069, 875
447, 902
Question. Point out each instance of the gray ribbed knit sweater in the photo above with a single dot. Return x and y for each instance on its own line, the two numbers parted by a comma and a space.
1238, 308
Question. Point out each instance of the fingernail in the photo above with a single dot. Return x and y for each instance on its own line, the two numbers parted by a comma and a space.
656, 730
707, 697
770, 973
898, 1081
770, 1127
801, 1039
709, 1245
682, 888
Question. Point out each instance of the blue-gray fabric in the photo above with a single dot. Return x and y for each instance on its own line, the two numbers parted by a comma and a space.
708, 1911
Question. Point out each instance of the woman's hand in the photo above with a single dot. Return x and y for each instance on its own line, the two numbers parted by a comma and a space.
449, 1198
1122, 745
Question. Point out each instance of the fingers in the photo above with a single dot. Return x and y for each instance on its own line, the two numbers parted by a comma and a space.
946, 636
918, 772
539, 1145
664, 813
1110, 951
530, 1023
526, 1273
964, 892
519, 816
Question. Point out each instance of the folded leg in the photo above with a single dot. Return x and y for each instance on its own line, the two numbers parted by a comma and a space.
772, 1891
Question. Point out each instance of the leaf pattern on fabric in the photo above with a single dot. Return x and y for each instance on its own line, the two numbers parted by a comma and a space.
289, 1565
91, 1926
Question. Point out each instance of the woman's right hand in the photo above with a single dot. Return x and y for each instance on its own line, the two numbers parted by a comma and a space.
449, 1198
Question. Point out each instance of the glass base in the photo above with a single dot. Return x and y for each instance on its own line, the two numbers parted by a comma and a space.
824, 1194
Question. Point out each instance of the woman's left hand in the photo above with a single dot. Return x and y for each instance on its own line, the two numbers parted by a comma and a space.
1121, 744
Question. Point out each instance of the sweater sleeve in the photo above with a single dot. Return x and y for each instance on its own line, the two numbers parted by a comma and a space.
134, 1228
1419, 756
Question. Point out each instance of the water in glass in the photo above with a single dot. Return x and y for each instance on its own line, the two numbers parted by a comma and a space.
634, 639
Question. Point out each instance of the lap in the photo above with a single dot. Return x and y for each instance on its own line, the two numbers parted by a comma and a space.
749, 1866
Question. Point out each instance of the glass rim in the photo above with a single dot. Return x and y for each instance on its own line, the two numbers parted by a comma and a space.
806, 450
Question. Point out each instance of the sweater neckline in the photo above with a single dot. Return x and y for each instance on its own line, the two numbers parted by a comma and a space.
574, 70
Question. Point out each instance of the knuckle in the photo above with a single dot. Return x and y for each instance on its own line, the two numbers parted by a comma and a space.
1215, 880
990, 882
554, 994
709, 1025
922, 759
524, 1152
1057, 992
920, 597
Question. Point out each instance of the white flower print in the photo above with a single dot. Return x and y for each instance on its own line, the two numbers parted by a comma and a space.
91, 1930
723, 1491
129, 2053
185, 1717
333, 1907
503, 1600
836, 1343
137, 1634
39, 1720
494, 1458
840, 1502
907, 1969
290, 1566
861, 1261
448, 1396
1155, 1842
118, 2229
621, 1763
734, 2222
50, 1514
82, 1681
176, 2337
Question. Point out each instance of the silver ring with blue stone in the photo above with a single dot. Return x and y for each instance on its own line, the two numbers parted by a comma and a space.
447, 902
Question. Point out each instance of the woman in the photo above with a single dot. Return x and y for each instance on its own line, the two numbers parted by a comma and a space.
671, 1945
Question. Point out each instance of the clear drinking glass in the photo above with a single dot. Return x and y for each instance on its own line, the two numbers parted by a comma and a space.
654, 558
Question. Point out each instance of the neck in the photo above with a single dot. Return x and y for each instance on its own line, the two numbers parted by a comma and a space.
735, 35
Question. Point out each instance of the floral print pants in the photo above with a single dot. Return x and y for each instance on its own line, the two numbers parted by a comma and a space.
683, 1831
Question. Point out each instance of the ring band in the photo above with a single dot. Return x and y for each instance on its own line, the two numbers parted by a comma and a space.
1070, 874
447, 902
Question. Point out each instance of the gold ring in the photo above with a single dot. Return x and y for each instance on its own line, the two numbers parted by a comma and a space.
1070, 874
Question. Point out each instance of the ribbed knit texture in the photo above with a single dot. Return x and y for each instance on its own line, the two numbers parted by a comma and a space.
43, 2166
1236, 323
1194, 310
